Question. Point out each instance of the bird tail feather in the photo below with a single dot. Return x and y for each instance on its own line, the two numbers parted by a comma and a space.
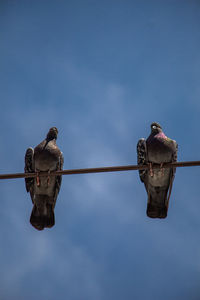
42, 216
157, 206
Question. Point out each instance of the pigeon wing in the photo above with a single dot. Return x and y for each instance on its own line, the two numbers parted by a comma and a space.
173, 170
175, 151
29, 168
142, 157
59, 177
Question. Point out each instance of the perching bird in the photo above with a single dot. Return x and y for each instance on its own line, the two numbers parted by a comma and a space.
157, 149
44, 190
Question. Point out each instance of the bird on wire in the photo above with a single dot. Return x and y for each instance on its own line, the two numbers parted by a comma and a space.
157, 149
44, 190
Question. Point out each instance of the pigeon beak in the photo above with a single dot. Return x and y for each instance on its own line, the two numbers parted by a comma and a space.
154, 127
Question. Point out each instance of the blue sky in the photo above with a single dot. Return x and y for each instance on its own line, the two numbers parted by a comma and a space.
101, 71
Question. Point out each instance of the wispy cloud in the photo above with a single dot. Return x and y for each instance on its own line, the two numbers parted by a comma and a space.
103, 246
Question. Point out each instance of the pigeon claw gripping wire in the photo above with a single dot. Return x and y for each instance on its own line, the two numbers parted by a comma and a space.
151, 169
162, 169
48, 178
38, 179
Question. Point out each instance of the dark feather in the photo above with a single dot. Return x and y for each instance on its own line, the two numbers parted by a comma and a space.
29, 168
42, 215
59, 178
142, 157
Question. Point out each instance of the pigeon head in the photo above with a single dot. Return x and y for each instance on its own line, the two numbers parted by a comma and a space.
155, 128
52, 134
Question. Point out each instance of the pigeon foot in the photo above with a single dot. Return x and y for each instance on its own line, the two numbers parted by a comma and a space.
38, 179
151, 169
162, 169
48, 178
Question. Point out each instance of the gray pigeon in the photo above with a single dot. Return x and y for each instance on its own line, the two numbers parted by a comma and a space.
44, 190
157, 149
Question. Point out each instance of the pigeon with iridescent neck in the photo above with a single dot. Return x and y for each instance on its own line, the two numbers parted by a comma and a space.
157, 149
44, 190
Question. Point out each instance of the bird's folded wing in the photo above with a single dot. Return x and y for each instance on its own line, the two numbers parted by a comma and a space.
142, 157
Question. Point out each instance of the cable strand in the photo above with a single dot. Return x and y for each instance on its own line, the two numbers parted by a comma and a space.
101, 170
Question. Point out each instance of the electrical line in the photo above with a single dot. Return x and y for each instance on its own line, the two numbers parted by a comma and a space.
101, 170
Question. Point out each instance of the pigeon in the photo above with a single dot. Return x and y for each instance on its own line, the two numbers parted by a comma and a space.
157, 149
44, 190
